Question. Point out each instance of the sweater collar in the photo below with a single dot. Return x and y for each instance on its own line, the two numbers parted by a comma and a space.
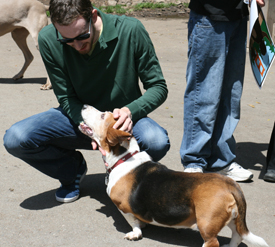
109, 31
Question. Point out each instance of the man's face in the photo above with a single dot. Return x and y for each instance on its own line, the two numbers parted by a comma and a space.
78, 27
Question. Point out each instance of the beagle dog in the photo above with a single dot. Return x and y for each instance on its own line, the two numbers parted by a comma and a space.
147, 192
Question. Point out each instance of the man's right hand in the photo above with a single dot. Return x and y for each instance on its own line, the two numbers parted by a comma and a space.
261, 3
94, 145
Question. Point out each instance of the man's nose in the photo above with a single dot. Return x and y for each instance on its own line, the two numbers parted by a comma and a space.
77, 44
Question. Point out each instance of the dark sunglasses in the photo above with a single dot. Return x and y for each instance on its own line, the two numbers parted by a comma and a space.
79, 37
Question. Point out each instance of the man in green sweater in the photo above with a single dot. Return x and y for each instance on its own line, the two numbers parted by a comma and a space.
96, 59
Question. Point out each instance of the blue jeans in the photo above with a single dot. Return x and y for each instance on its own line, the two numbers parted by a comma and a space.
48, 142
215, 74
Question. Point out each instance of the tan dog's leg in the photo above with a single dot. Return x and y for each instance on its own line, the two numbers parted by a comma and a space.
47, 86
210, 228
38, 22
20, 37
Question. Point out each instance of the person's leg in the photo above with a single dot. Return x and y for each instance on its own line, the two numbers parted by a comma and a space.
205, 72
151, 138
48, 142
223, 143
270, 159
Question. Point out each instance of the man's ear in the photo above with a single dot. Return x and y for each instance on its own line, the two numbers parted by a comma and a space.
115, 136
94, 15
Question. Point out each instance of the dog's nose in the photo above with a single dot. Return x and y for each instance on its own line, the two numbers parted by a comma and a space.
84, 107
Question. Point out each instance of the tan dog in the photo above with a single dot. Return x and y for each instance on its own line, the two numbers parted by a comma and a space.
147, 192
21, 18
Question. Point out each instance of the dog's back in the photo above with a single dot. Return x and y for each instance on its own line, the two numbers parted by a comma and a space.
21, 18
179, 194
29, 14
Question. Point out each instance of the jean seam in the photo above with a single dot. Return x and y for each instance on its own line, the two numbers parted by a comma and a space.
45, 142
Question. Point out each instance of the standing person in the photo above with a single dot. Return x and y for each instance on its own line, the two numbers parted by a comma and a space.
270, 159
96, 59
217, 33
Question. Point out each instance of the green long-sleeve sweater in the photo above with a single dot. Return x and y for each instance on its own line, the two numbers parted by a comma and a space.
108, 78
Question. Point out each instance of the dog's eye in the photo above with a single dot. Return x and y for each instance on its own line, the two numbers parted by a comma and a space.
102, 115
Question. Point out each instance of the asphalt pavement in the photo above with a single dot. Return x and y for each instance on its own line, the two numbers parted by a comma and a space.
29, 213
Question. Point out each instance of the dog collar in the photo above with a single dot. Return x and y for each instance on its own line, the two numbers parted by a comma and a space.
123, 159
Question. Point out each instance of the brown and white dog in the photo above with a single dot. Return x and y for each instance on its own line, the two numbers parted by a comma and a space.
147, 192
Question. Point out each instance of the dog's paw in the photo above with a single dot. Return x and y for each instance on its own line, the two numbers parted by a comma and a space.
47, 85
134, 235
18, 76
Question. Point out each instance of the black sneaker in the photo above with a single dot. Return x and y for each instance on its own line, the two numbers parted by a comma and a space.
70, 193
270, 176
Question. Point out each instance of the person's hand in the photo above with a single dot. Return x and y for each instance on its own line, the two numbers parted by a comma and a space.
261, 3
124, 119
94, 145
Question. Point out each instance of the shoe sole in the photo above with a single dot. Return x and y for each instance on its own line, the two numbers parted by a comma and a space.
238, 179
59, 199
269, 179
188, 171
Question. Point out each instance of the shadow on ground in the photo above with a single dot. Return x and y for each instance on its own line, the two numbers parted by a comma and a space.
24, 81
250, 156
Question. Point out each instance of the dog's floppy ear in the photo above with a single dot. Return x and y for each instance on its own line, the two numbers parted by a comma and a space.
115, 136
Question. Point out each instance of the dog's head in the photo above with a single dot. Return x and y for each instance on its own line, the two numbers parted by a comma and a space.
99, 127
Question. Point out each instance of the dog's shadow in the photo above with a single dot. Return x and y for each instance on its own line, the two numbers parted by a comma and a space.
94, 187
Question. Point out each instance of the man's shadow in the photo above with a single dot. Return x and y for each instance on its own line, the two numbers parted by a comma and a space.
250, 156
93, 186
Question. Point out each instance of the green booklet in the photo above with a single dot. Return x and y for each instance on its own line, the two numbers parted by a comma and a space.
261, 46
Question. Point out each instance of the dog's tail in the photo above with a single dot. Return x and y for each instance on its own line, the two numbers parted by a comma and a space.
254, 240
240, 221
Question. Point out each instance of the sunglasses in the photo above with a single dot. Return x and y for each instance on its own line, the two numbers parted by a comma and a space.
79, 37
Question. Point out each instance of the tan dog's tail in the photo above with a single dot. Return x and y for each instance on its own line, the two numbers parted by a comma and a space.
240, 221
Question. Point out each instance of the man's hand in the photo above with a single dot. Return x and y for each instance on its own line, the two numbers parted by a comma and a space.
124, 123
261, 3
94, 145
124, 119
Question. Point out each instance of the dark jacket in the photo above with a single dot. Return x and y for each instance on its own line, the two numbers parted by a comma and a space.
220, 10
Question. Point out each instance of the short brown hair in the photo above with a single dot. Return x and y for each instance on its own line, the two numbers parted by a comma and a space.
64, 12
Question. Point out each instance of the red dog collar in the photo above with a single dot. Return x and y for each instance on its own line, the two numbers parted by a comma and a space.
124, 158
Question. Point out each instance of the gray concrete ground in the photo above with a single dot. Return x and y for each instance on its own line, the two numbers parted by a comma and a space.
29, 213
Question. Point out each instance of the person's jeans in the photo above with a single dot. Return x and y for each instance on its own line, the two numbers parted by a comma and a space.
215, 73
48, 142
